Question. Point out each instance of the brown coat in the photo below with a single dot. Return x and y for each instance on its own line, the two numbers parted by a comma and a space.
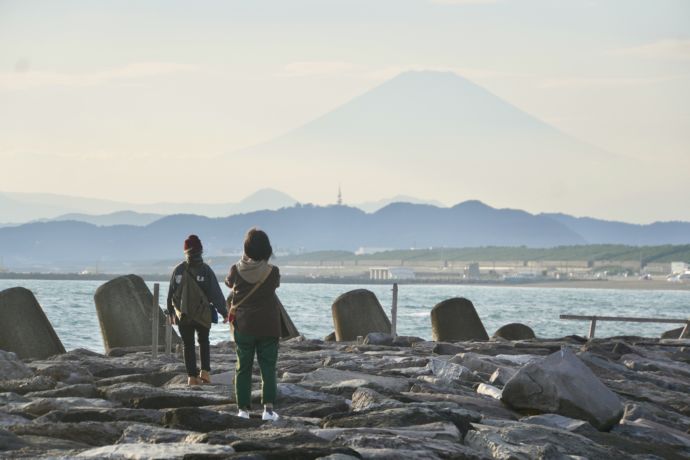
259, 315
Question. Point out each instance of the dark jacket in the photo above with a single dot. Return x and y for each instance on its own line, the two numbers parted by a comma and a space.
259, 315
208, 283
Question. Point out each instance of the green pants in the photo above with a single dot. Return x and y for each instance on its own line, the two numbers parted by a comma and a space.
266, 349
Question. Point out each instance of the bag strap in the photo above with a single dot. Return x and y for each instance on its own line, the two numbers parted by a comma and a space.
192, 275
256, 286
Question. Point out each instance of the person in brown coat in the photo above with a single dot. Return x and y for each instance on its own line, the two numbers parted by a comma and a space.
255, 315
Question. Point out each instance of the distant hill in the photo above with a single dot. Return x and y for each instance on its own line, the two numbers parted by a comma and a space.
373, 206
597, 231
115, 218
24, 207
307, 228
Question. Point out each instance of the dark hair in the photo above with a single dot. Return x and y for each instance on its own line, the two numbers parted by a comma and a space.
256, 245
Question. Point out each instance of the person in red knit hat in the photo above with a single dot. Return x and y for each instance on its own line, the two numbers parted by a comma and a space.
209, 302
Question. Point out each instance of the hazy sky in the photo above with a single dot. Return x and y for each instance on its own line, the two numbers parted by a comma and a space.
122, 100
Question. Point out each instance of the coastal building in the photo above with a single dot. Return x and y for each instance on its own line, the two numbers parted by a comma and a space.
678, 267
472, 271
391, 273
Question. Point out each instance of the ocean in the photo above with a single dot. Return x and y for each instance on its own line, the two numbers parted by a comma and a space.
70, 308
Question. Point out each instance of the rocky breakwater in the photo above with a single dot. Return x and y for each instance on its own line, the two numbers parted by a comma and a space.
342, 400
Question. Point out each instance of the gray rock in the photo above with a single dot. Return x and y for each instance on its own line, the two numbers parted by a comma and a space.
45, 443
449, 373
23, 386
144, 451
12, 419
31, 334
378, 338
12, 368
330, 337
10, 397
156, 379
65, 372
560, 422
140, 433
562, 384
489, 390
288, 392
313, 409
140, 396
91, 433
444, 348
41, 406
118, 414
357, 313
406, 340
429, 441
80, 390
10, 441
205, 420
502, 375
487, 407
365, 399
514, 440
324, 377
393, 417
652, 432
672, 334
672, 368
456, 319
123, 306
515, 331
338, 457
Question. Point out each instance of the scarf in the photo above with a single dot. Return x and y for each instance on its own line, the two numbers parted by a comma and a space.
252, 271
193, 258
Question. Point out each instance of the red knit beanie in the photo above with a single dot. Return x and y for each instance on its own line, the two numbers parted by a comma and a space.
192, 244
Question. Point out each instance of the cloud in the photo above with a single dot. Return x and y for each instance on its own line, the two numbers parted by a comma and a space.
352, 70
669, 49
463, 2
136, 70
590, 82
317, 68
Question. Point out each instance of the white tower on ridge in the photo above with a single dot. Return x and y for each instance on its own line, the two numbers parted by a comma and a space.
340, 196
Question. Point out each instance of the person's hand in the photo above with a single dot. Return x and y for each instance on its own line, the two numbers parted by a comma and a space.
230, 318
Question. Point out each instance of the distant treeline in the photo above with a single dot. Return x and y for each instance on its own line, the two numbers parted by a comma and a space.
594, 253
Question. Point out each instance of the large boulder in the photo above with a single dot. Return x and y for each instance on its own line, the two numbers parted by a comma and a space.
561, 383
672, 334
12, 368
357, 313
455, 320
29, 334
515, 331
124, 313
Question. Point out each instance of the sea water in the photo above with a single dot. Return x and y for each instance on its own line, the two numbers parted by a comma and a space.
70, 308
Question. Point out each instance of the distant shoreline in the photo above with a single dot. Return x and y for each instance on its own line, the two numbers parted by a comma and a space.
622, 283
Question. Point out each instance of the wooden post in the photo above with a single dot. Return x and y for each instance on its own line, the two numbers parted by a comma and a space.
394, 311
592, 327
168, 334
154, 321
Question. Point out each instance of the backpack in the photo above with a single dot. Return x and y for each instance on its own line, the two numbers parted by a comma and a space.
190, 301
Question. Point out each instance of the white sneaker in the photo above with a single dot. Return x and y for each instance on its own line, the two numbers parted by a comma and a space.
243, 414
273, 416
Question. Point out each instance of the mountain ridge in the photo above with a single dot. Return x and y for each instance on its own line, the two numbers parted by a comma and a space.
308, 228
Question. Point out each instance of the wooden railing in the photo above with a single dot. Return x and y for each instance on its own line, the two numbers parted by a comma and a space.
593, 325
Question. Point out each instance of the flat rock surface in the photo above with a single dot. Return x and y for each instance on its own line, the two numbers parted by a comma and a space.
341, 400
